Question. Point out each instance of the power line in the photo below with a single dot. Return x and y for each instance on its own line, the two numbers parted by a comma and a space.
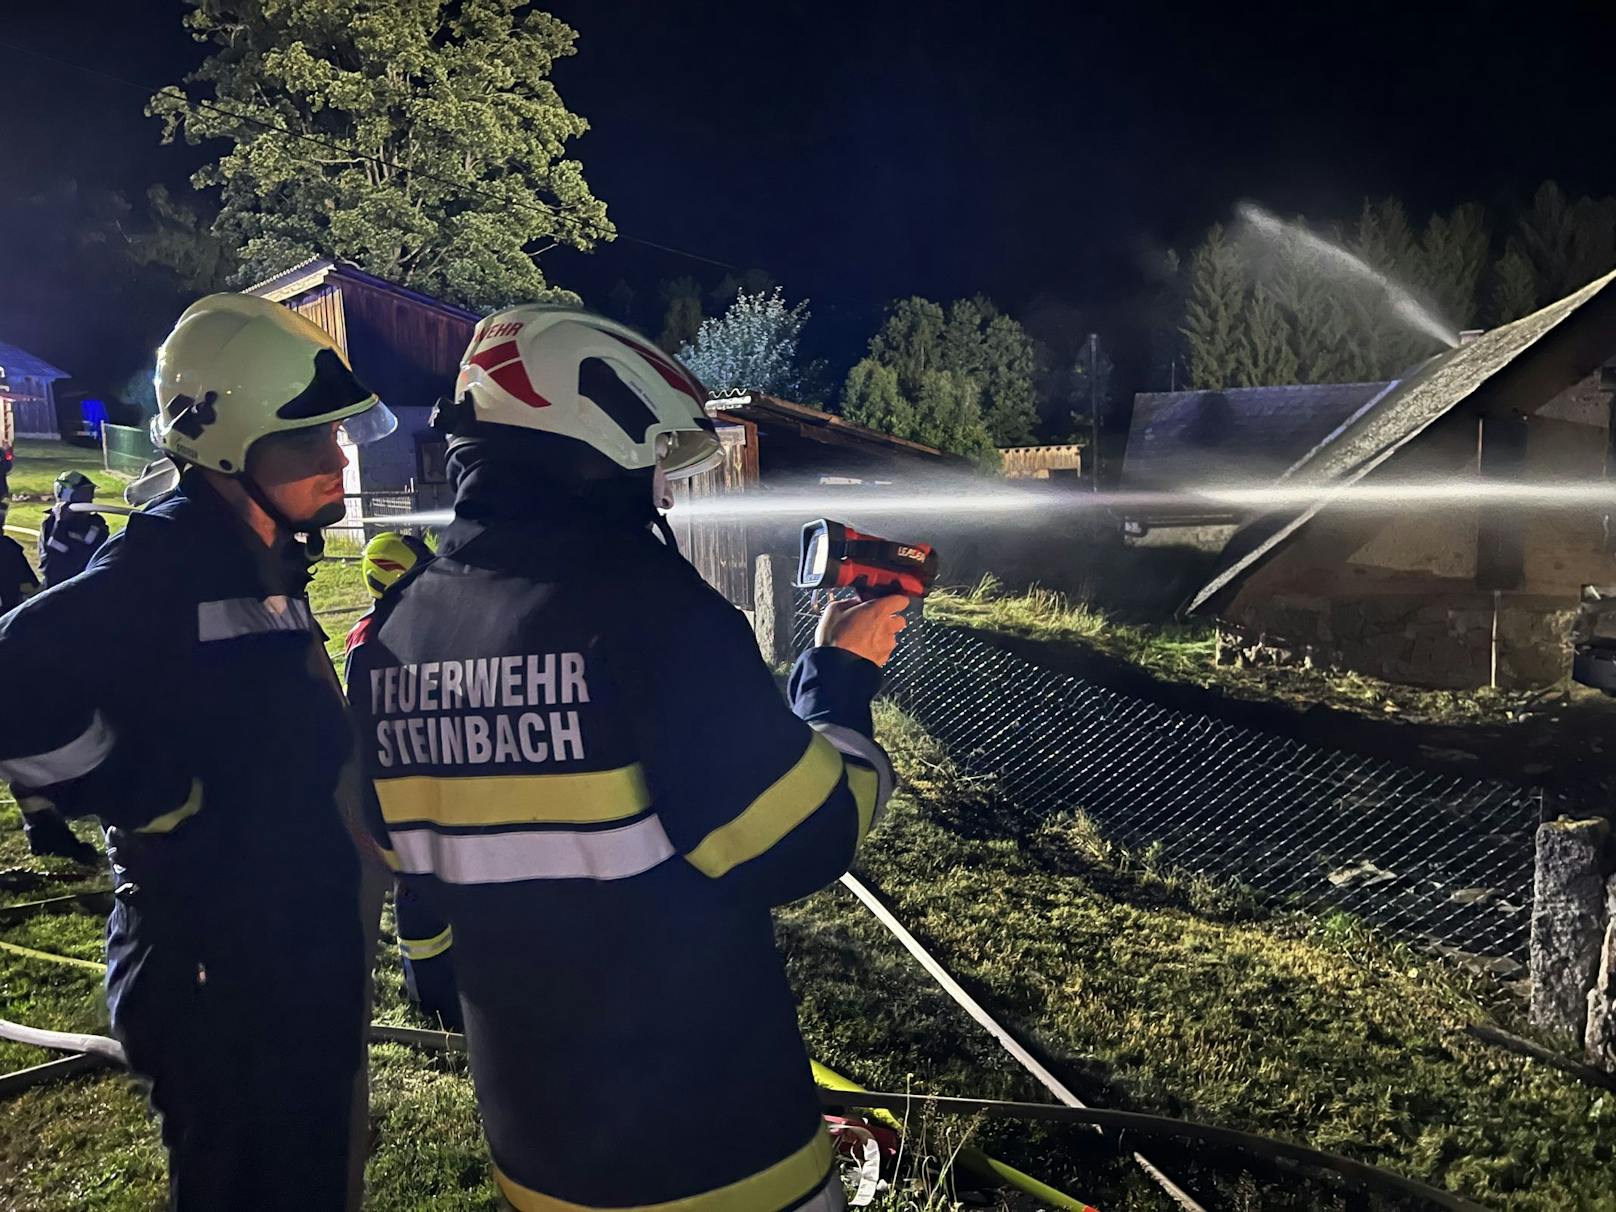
175, 91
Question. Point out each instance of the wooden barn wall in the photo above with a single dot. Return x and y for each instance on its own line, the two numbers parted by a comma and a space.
721, 550
323, 305
405, 351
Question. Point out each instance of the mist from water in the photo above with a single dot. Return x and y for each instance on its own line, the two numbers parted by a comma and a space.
1332, 258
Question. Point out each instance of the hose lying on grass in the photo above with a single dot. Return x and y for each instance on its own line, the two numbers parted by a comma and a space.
1360, 1175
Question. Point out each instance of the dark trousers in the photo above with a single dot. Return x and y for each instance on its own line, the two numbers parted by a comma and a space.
250, 1063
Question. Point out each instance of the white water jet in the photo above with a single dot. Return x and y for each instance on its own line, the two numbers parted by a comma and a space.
1036, 507
1338, 260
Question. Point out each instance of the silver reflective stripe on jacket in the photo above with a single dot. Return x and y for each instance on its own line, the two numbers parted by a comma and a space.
558, 854
233, 617
862, 749
73, 760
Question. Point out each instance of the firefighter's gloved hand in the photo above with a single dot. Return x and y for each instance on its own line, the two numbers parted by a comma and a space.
49, 836
866, 629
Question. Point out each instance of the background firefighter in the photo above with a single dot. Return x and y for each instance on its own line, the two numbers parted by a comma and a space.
425, 940
580, 755
215, 762
68, 537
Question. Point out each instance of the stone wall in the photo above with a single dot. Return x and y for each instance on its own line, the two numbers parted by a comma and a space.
1436, 640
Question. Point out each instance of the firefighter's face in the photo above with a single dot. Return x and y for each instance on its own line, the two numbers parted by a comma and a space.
301, 472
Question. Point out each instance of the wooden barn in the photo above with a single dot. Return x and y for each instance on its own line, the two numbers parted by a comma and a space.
1460, 595
406, 347
771, 443
28, 386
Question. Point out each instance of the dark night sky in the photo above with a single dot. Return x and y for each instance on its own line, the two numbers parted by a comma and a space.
861, 152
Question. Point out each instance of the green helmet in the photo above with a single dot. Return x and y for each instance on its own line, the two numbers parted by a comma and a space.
388, 557
74, 486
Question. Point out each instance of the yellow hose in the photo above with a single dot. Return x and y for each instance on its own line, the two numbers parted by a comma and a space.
971, 1158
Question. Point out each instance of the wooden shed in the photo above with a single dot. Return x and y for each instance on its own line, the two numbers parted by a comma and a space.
406, 347
1461, 595
28, 385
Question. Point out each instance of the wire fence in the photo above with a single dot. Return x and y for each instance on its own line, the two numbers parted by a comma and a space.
1435, 859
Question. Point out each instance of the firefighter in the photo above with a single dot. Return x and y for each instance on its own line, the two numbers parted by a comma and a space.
46, 831
69, 537
236, 972
424, 938
17, 579
580, 756
7, 457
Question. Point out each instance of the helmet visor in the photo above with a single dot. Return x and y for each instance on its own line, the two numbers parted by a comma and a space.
375, 423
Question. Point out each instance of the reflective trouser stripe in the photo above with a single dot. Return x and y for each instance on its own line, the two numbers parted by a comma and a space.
70, 761
166, 822
582, 798
796, 796
232, 617
779, 1187
427, 948
553, 854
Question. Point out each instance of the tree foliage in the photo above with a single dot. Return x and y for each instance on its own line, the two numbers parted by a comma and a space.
421, 139
681, 313
871, 397
978, 348
751, 346
1214, 311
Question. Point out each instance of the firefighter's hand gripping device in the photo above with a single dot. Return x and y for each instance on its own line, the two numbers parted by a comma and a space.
834, 556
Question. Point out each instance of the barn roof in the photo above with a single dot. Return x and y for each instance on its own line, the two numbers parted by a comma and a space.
19, 364
1525, 364
771, 413
1237, 433
316, 272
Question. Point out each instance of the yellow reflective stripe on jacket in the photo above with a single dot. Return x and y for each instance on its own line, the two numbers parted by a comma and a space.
514, 799
390, 857
426, 948
792, 1178
865, 784
166, 822
775, 813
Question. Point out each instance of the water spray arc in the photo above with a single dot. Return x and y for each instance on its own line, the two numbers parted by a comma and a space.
1302, 243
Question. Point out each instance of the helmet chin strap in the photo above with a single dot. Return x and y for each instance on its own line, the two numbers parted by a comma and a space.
313, 542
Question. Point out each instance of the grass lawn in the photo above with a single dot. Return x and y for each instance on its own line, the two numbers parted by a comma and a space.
1187, 652
1142, 989
35, 470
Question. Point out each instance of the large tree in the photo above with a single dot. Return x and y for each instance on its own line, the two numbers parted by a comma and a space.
1218, 287
421, 139
974, 340
753, 346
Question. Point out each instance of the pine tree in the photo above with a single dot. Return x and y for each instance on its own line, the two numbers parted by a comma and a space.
1454, 257
1217, 297
1266, 356
1514, 289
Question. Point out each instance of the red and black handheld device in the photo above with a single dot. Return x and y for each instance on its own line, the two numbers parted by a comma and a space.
834, 556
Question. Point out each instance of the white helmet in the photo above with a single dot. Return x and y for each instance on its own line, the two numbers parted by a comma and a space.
238, 368
569, 372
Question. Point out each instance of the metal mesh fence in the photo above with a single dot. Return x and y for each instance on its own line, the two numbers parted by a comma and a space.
125, 448
1431, 858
